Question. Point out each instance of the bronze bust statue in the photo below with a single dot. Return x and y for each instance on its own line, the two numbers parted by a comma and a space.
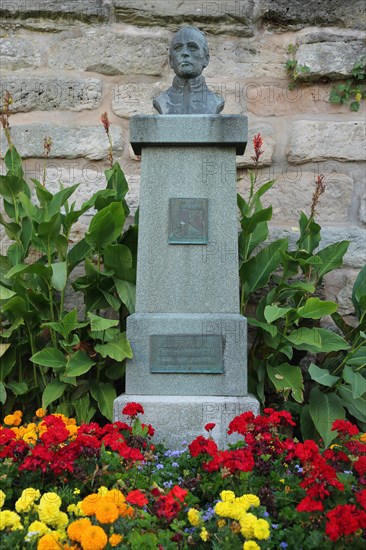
188, 95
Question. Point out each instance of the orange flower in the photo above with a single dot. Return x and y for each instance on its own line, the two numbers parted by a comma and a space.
106, 512
93, 538
9, 420
363, 438
115, 539
115, 496
49, 542
89, 503
40, 413
77, 528
126, 510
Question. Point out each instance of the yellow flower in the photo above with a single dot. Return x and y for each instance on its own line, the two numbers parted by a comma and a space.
102, 490
48, 513
221, 523
115, 539
40, 413
49, 541
105, 511
227, 496
222, 509
93, 538
204, 534
194, 517
37, 528
75, 509
281, 480
261, 529
25, 502
252, 500
358, 96
76, 491
2, 498
50, 498
77, 528
62, 521
247, 522
250, 545
9, 519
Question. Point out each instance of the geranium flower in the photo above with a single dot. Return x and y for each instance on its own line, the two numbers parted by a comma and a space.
132, 409
137, 497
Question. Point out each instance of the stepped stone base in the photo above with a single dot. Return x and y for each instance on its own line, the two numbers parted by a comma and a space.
177, 420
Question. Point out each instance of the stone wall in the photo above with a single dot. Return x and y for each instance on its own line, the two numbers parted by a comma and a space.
67, 61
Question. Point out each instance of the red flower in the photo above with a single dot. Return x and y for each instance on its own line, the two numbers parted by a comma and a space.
344, 427
309, 505
360, 466
167, 507
210, 426
105, 121
178, 493
258, 142
201, 445
361, 499
136, 497
132, 409
343, 520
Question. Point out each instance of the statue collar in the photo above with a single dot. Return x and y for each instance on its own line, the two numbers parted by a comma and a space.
190, 83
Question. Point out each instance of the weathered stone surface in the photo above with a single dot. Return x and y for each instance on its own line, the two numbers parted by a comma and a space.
297, 14
267, 134
109, 52
316, 140
21, 53
354, 257
363, 209
338, 286
233, 93
67, 141
292, 193
329, 59
135, 98
84, 10
52, 93
217, 17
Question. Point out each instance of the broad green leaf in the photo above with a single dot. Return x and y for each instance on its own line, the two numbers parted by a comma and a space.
332, 257
7, 362
119, 349
309, 234
4, 348
263, 189
70, 322
59, 199
116, 180
83, 410
18, 388
106, 226
77, 254
48, 231
316, 309
104, 394
13, 162
248, 224
67, 409
29, 208
357, 358
100, 323
287, 377
317, 340
255, 273
272, 329
59, 276
112, 300
127, 293
359, 293
10, 187
325, 408
35, 269
103, 195
118, 258
16, 324
71, 380
13, 230
49, 357
308, 429
79, 363
2, 393
53, 391
356, 381
357, 407
272, 313
43, 195
322, 376
332, 341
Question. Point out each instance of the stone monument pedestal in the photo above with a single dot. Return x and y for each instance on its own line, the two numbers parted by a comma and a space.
188, 338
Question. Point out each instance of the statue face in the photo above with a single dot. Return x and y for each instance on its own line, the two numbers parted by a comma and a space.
188, 53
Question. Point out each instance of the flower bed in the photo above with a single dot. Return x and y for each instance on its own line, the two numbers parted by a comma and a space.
92, 487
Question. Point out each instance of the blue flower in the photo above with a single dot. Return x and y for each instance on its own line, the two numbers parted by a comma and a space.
284, 545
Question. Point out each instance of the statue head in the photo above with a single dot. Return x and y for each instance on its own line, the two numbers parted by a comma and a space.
188, 53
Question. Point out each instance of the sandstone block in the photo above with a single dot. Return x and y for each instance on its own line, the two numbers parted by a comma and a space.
338, 286
363, 209
67, 141
317, 140
84, 10
135, 98
21, 53
109, 52
52, 93
333, 60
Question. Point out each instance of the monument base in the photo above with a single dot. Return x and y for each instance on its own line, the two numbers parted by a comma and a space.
181, 418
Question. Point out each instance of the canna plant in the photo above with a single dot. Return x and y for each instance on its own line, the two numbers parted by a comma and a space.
67, 361
285, 284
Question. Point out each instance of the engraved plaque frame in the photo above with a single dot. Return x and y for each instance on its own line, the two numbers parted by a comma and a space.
188, 221
186, 354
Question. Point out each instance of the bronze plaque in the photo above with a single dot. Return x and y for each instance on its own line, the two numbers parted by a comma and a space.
188, 221
186, 353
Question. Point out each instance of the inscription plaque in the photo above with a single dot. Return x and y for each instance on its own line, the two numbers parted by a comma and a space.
186, 353
188, 221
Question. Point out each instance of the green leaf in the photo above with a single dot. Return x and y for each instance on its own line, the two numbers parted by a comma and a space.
6, 293
84, 410
35, 269
357, 358
271, 329
119, 349
100, 323
316, 309
317, 340
43, 195
287, 377
18, 388
118, 258
104, 394
59, 276
79, 363
331, 341
354, 106
10, 187
2, 393
13, 230
59, 200
356, 407
4, 348
116, 180
256, 272
272, 313
127, 293
77, 254
356, 381
322, 376
325, 408
7, 362
13, 162
308, 430
49, 357
332, 257
54, 390
359, 293
309, 234
106, 226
